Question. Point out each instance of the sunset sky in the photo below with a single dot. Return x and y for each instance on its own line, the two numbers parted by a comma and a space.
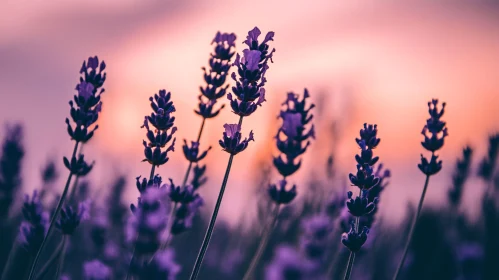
375, 61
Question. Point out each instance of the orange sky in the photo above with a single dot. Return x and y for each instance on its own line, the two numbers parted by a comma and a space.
378, 63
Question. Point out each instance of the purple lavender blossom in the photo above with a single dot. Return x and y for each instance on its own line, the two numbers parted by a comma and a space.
279, 194
143, 185
163, 266
434, 133
70, 219
192, 153
288, 264
374, 194
314, 239
198, 178
77, 165
354, 240
251, 68
231, 142
295, 117
96, 270
181, 194
216, 76
185, 214
360, 205
163, 121
148, 221
35, 224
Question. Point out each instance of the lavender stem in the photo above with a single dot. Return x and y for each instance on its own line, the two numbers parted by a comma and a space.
50, 261
60, 266
52, 220
209, 231
413, 226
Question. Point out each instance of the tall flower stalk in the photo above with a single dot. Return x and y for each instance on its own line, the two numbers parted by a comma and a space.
292, 140
84, 113
434, 133
365, 179
246, 96
159, 142
215, 77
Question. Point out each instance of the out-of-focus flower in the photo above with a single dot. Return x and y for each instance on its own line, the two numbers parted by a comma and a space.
181, 194
461, 173
192, 153
96, 270
280, 195
35, 224
231, 141
185, 214
70, 219
487, 165
10, 167
148, 221
315, 236
198, 178
292, 140
287, 264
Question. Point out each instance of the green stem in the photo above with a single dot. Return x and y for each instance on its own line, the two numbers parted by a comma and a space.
50, 261
61, 258
262, 245
413, 226
54, 217
209, 231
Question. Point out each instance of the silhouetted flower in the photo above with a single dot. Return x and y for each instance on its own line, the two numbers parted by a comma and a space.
92, 72
432, 167
96, 270
78, 166
143, 185
231, 142
216, 76
360, 206
365, 178
251, 67
353, 240
185, 214
374, 194
459, 177
280, 195
181, 194
369, 135
10, 167
35, 224
198, 178
70, 219
192, 153
487, 165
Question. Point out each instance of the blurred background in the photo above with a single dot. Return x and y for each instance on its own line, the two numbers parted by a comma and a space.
362, 61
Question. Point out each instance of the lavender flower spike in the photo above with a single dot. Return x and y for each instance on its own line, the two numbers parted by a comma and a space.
35, 224
434, 133
231, 141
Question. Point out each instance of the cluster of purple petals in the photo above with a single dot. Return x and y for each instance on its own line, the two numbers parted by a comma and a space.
161, 134
232, 142
148, 222
292, 137
35, 223
87, 104
366, 179
315, 237
374, 194
96, 270
216, 76
434, 133
249, 91
289, 263
163, 266
70, 219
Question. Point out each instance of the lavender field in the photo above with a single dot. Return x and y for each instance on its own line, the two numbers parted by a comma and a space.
192, 140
